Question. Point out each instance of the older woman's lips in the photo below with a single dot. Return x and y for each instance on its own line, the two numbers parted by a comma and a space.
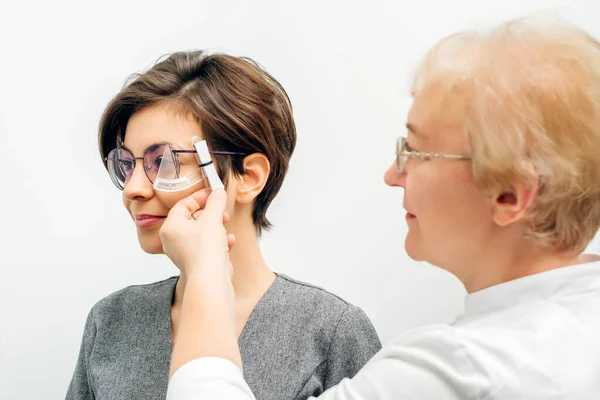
410, 216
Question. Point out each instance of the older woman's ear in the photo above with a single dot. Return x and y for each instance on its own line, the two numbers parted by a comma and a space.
512, 205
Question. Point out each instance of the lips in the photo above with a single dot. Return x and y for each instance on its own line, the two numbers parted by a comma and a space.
147, 220
409, 215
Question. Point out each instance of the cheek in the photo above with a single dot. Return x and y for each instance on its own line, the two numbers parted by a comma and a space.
126, 202
447, 202
422, 191
469, 203
231, 190
169, 199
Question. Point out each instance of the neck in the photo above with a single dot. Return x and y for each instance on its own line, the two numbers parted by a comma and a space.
251, 275
508, 262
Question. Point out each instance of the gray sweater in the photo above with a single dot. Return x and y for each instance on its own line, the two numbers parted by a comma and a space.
299, 341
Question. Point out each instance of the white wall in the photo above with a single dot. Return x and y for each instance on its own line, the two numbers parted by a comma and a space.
66, 241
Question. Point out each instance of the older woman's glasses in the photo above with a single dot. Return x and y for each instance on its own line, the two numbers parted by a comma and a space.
404, 152
121, 163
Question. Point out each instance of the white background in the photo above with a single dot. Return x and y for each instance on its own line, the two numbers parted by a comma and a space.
66, 240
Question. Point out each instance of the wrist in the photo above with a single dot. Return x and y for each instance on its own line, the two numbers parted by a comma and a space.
212, 287
208, 276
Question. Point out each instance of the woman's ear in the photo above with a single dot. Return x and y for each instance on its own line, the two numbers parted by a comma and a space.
510, 206
253, 180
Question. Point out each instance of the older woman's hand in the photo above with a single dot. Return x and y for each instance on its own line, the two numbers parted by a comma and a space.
194, 237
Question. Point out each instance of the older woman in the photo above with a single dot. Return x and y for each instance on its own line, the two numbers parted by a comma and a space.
500, 168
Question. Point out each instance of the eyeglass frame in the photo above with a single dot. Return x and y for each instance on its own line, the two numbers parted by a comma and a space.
174, 151
401, 143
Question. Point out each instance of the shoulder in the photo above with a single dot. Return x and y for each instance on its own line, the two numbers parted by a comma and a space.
441, 352
319, 307
440, 338
312, 298
444, 343
428, 362
134, 298
436, 349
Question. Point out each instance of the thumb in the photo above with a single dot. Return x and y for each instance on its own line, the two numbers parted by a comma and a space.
215, 206
186, 207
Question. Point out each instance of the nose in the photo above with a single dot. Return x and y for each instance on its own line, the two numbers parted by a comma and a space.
393, 177
139, 186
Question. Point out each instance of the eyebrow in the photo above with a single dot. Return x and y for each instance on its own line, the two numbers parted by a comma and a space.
418, 133
411, 128
125, 148
154, 144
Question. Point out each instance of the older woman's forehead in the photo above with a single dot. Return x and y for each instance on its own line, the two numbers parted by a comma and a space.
443, 134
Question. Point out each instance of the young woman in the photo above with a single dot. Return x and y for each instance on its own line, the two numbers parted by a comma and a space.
297, 340
500, 168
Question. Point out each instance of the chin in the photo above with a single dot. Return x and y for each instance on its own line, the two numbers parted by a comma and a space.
151, 245
412, 248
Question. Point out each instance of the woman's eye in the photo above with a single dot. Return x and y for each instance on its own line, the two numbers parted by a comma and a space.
126, 165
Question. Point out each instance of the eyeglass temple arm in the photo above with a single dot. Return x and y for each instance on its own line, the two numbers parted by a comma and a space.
432, 155
224, 153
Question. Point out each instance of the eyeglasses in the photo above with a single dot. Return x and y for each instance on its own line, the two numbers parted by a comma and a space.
404, 152
121, 163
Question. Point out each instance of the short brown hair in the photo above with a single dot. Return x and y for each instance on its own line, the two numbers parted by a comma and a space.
527, 94
239, 105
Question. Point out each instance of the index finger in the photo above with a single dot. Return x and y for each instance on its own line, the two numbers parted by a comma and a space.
187, 206
215, 205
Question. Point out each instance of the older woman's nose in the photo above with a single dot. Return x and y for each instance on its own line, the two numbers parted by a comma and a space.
393, 177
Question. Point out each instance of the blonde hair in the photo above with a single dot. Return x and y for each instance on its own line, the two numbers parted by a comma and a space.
527, 95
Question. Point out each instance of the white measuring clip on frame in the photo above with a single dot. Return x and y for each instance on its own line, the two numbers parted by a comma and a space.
206, 163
